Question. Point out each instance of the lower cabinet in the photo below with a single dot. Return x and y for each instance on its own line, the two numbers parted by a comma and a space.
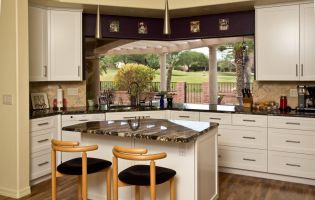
130, 115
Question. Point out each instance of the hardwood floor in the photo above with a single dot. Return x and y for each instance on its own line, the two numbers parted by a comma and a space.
232, 187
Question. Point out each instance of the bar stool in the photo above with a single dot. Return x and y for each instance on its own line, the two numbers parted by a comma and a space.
80, 166
141, 175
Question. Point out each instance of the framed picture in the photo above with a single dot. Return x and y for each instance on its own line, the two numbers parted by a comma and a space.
142, 28
195, 26
224, 24
39, 101
114, 26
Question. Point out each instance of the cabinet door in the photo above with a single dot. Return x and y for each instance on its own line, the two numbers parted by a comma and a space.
277, 43
38, 44
65, 45
307, 31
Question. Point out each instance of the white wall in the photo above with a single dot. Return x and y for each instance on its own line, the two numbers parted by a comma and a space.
14, 119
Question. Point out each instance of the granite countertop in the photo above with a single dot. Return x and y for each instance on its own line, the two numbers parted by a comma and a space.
177, 131
176, 106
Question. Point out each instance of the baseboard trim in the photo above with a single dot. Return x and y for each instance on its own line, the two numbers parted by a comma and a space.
7, 192
268, 176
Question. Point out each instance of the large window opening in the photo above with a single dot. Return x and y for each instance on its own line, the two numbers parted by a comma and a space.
184, 70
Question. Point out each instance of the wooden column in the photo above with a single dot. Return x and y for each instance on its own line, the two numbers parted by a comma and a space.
163, 71
213, 86
93, 78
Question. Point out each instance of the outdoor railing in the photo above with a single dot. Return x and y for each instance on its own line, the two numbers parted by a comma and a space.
154, 87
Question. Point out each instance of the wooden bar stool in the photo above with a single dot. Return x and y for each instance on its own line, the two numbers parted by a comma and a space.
81, 166
141, 175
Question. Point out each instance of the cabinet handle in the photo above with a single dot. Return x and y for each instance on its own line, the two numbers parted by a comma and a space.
41, 141
252, 138
83, 120
302, 70
45, 70
129, 117
296, 70
219, 134
215, 118
249, 120
219, 156
293, 123
293, 165
42, 124
292, 141
183, 116
44, 163
79, 74
248, 159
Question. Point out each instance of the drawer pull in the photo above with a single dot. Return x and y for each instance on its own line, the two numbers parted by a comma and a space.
292, 141
83, 120
215, 118
249, 120
44, 163
251, 138
183, 116
219, 156
293, 165
219, 134
42, 124
41, 141
293, 123
129, 117
248, 159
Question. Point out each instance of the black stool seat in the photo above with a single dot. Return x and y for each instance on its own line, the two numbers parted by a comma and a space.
74, 166
140, 175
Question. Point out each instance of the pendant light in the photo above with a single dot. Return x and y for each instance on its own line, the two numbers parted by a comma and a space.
98, 31
167, 23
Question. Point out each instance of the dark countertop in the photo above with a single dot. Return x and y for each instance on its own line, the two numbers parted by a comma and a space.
177, 131
182, 107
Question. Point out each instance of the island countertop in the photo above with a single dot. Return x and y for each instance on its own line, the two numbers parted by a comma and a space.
177, 131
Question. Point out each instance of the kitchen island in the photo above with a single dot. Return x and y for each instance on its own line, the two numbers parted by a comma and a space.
191, 149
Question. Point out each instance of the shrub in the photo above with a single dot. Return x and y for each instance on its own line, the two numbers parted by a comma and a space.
131, 72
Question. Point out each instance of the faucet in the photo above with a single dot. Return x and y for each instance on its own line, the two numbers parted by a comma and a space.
137, 92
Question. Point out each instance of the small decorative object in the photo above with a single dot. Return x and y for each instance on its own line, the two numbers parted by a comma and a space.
169, 98
195, 26
59, 98
162, 95
114, 26
39, 101
224, 24
142, 28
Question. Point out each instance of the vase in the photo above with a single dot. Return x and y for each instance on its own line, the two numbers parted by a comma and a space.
161, 101
169, 102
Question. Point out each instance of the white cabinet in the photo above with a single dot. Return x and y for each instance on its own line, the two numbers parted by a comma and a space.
130, 115
55, 42
68, 120
185, 115
38, 44
284, 43
42, 130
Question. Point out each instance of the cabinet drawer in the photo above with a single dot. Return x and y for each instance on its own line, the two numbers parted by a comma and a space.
43, 123
294, 141
291, 164
128, 115
249, 120
221, 118
241, 136
185, 115
42, 141
242, 158
292, 123
40, 166
83, 118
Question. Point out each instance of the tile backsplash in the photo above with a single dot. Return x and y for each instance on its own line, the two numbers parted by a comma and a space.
73, 92
271, 91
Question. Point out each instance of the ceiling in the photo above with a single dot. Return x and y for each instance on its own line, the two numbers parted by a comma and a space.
154, 8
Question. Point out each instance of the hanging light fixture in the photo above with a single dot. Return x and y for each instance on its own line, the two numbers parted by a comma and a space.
98, 31
167, 23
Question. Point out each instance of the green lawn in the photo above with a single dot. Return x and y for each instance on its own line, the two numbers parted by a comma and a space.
180, 76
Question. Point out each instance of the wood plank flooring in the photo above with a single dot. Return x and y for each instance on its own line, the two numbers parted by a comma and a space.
232, 187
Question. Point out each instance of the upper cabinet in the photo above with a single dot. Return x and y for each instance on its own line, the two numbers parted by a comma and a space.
55, 44
284, 42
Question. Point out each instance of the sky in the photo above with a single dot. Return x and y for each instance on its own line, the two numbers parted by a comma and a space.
205, 51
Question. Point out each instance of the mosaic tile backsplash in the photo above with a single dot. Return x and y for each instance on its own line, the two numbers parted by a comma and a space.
51, 89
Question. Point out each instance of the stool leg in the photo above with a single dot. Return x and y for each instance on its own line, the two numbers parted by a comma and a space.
108, 183
172, 188
53, 187
79, 188
152, 181
137, 192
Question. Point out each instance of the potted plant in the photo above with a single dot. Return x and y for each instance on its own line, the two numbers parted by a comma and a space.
90, 98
